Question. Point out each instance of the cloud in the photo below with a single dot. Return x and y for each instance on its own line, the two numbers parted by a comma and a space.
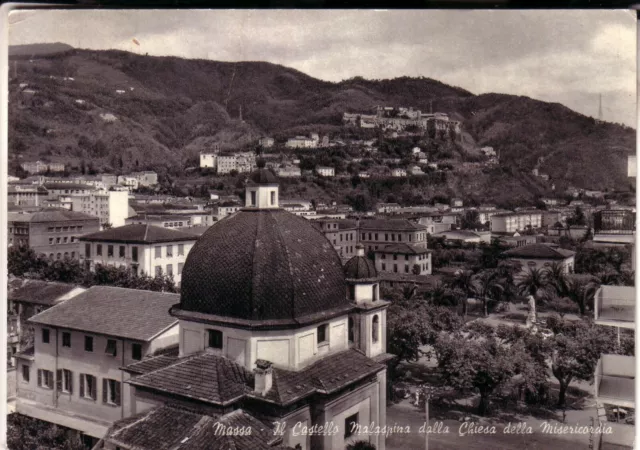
550, 55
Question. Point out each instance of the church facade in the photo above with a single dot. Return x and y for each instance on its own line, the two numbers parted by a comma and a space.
280, 346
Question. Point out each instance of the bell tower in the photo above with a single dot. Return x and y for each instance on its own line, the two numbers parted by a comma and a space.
262, 190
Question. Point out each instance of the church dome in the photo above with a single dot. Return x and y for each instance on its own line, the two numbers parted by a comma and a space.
263, 265
263, 176
360, 268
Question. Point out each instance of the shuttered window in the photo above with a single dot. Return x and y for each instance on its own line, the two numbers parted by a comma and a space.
88, 386
111, 392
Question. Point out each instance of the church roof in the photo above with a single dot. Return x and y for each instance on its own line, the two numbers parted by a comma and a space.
262, 265
139, 233
263, 176
360, 268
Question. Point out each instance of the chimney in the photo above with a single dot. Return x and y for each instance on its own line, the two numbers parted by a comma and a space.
263, 377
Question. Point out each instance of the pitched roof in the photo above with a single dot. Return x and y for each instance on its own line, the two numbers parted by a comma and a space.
457, 234
205, 377
150, 364
360, 268
51, 215
541, 251
126, 313
391, 225
66, 186
171, 427
139, 233
402, 248
38, 291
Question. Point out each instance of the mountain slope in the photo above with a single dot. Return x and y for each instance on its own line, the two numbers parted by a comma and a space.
120, 110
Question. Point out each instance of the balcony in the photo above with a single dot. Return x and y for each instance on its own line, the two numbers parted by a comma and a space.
615, 306
615, 380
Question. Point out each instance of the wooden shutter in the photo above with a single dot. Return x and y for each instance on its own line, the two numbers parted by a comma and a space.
104, 390
81, 385
94, 387
40, 377
70, 386
59, 380
117, 389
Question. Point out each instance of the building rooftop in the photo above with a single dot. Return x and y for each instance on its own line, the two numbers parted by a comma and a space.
38, 291
360, 267
69, 186
177, 428
390, 225
457, 234
540, 251
49, 215
402, 248
261, 265
139, 233
113, 311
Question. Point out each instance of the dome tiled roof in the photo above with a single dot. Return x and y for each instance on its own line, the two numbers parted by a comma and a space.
360, 268
262, 265
263, 176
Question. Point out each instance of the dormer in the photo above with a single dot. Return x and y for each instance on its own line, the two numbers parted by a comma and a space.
262, 189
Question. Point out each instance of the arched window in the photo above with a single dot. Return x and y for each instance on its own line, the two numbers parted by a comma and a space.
352, 292
58, 256
374, 295
375, 325
352, 330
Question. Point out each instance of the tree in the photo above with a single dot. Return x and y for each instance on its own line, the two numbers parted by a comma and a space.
23, 260
471, 220
361, 445
577, 218
557, 278
26, 433
488, 287
465, 283
577, 349
416, 269
474, 364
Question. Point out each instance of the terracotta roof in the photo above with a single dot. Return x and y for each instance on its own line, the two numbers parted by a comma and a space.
38, 291
402, 248
126, 313
66, 186
391, 225
328, 375
139, 233
263, 265
171, 427
541, 251
205, 377
150, 364
51, 215
360, 268
263, 176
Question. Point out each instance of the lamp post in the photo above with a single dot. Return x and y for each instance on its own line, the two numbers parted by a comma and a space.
427, 392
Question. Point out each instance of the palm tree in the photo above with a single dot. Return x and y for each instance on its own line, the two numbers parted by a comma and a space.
488, 286
557, 277
409, 291
465, 282
534, 283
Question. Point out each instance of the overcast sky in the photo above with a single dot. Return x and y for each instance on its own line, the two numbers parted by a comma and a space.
569, 57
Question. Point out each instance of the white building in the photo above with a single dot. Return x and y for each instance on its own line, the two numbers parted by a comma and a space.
145, 249
325, 171
208, 160
128, 181
301, 142
72, 377
266, 142
516, 221
289, 172
398, 172
110, 206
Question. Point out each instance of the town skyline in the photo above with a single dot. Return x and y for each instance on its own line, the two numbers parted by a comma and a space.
571, 58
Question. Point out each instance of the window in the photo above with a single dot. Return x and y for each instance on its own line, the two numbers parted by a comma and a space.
112, 347
73, 254
395, 257
121, 251
350, 424
65, 239
158, 271
273, 197
180, 266
393, 237
374, 295
386, 237
26, 374
45, 379
253, 198
395, 268
375, 324
180, 249
215, 339
88, 386
50, 241
158, 251
351, 330
169, 251
136, 351
352, 292
109, 250
66, 339
88, 343
110, 392
99, 249
384, 266
45, 335
57, 240
169, 269
64, 379
406, 257
322, 334
134, 253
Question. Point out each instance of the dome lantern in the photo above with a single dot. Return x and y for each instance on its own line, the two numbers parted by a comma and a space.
262, 190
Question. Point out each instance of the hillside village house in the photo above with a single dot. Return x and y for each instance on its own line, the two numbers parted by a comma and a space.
174, 220
72, 376
315, 352
54, 233
464, 236
541, 256
208, 160
324, 171
225, 209
145, 249
398, 172
301, 142
387, 208
41, 167
516, 221
289, 172
403, 258
130, 182
146, 178
266, 142
110, 206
